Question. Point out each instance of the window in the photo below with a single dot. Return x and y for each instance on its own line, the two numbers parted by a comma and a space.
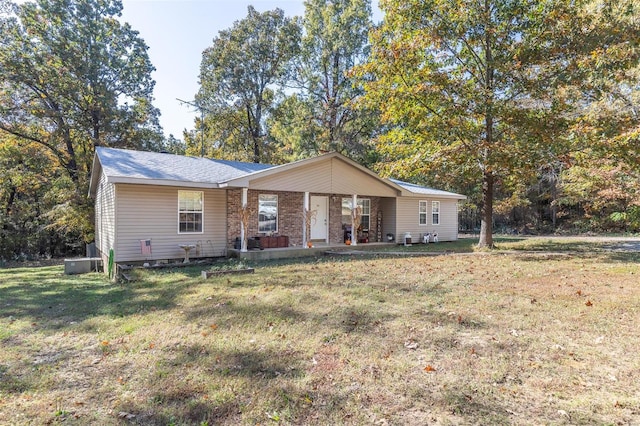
435, 212
365, 219
365, 213
190, 211
267, 213
422, 213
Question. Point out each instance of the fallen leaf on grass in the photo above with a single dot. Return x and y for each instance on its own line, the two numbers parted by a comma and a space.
128, 416
411, 344
214, 326
429, 369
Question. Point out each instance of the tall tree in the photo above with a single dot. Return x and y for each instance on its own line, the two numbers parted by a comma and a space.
335, 40
488, 88
240, 78
73, 77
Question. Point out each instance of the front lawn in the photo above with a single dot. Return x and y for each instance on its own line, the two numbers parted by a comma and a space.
499, 338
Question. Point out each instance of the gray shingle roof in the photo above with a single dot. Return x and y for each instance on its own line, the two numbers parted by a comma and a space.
423, 190
123, 165
129, 164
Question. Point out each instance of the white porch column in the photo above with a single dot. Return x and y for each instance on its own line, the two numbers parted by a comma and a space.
305, 207
354, 231
243, 242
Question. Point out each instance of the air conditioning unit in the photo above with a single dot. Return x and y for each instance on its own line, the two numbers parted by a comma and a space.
82, 265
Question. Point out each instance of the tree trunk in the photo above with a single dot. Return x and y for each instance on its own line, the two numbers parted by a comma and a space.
486, 223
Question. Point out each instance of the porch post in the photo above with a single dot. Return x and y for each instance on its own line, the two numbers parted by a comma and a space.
354, 232
305, 207
243, 241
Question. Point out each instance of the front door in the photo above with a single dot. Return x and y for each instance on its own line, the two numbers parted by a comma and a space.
319, 227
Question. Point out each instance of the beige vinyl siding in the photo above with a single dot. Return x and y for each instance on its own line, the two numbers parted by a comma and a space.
151, 212
105, 216
332, 176
388, 208
408, 219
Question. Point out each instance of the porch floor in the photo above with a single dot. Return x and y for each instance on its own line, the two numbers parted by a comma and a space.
318, 249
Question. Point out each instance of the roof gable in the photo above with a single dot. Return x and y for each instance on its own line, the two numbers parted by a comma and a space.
330, 173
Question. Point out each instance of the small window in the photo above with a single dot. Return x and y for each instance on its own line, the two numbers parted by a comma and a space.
422, 213
267, 213
190, 211
365, 212
365, 219
435, 212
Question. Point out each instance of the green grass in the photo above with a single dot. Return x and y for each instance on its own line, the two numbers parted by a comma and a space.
509, 337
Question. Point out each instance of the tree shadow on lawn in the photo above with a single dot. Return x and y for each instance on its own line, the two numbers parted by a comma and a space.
245, 386
52, 300
474, 407
231, 379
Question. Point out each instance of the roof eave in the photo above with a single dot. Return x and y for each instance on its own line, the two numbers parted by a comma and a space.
96, 169
161, 182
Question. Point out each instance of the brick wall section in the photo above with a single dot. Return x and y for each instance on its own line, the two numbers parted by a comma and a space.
234, 197
375, 209
290, 205
336, 232
290, 215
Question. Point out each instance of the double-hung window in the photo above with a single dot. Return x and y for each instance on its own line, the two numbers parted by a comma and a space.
422, 213
190, 211
267, 213
365, 212
365, 219
435, 212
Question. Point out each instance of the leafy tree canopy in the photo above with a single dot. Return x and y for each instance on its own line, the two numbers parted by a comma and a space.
240, 77
335, 39
72, 77
490, 89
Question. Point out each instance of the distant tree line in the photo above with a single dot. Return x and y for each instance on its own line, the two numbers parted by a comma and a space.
528, 108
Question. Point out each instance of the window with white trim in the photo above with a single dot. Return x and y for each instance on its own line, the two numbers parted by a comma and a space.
435, 212
365, 219
365, 212
422, 213
267, 213
190, 211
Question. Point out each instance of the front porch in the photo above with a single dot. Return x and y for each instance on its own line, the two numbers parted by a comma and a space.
318, 249
271, 216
